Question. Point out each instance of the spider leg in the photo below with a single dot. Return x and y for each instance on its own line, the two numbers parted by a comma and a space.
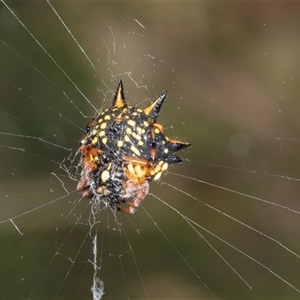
137, 191
129, 210
83, 185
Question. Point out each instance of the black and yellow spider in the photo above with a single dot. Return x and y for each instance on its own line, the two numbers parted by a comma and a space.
123, 149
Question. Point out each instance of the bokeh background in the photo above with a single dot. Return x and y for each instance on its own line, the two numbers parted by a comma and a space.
232, 73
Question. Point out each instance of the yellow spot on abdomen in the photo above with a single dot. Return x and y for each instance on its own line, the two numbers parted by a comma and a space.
165, 166
101, 133
157, 176
103, 125
135, 150
156, 130
131, 123
105, 175
94, 140
140, 171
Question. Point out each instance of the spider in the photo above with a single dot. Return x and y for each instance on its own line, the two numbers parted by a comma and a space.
122, 150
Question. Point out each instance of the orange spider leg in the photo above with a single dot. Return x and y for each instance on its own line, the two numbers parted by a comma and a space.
90, 160
136, 161
136, 190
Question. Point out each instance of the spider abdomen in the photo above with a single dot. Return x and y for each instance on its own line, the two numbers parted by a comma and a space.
122, 150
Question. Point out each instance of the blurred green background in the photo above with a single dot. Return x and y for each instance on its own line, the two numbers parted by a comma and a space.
232, 73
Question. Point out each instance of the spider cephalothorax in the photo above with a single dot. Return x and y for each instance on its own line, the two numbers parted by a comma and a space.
123, 149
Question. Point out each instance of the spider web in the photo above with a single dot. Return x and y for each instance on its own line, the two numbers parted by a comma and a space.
224, 224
